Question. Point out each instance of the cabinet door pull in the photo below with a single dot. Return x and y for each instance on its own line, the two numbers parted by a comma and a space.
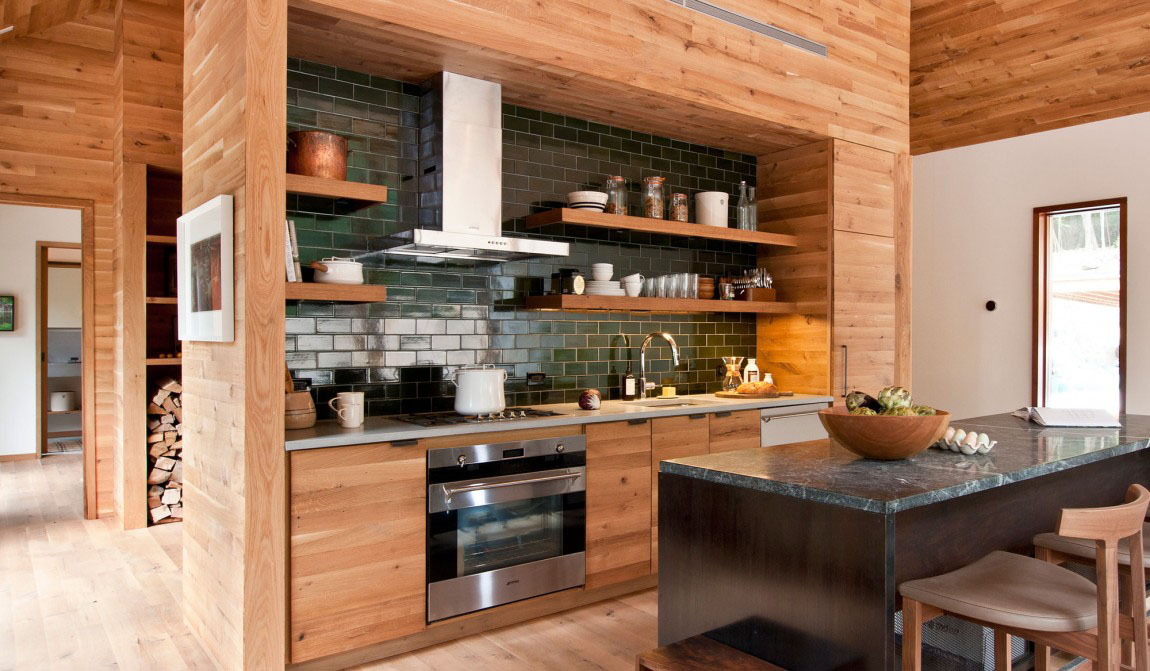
844, 371
701, 415
636, 421
405, 443
724, 413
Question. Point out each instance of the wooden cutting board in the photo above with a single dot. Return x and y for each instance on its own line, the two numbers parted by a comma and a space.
734, 394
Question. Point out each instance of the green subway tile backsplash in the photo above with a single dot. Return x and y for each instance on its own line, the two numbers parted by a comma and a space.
443, 315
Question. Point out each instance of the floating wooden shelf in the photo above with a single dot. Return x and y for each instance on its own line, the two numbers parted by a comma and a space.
575, 303
157, 361
348, 293
161, 239
658, 226
63, 412
356, 194
161, 300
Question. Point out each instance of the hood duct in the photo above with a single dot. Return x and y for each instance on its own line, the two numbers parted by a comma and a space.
461, 177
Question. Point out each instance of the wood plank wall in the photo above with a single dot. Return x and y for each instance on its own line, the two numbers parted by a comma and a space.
148, 131
795, 197
235, 543
707, 81
56, 139
990, 69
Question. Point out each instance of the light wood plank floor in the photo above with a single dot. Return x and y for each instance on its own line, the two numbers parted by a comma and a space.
84, 595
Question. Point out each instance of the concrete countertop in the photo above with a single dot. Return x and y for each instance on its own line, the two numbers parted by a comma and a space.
383, 429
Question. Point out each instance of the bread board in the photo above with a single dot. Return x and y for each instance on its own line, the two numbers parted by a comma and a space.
765, 394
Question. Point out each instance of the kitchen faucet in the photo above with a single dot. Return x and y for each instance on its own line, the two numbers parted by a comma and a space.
643, 384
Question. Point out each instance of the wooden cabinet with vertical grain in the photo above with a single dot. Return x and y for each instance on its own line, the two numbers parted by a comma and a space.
671, 438
618, 501
734, 430
357, 548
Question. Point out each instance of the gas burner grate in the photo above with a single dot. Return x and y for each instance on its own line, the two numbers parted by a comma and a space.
452, 418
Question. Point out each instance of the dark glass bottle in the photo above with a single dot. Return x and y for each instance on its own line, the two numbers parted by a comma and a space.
628, 384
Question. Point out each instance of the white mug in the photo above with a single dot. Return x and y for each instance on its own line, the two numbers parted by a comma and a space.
350, 410
632, 288
633, 278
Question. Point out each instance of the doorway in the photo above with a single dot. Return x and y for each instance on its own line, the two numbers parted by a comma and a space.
59, 317
1080, 305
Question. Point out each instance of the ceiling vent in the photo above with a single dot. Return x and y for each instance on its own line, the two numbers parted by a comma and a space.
759, 27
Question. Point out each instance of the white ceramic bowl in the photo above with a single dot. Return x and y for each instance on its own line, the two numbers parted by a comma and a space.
602, 272
587, 200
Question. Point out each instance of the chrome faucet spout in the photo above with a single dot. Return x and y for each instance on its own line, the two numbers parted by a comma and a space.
643, 357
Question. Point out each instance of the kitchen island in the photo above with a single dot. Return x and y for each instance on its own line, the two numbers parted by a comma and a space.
794, 553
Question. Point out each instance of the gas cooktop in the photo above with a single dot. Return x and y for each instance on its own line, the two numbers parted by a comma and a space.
450, 418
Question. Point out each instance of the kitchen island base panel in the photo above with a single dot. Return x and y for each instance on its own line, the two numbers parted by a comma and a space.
805, 584
476, 623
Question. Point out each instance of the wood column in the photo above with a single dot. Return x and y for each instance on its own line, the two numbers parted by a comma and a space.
235, 71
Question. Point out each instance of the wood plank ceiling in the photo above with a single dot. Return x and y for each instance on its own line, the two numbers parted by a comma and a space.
990, 69
705, 81
31, 17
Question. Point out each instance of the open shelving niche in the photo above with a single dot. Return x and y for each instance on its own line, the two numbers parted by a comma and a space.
583, 303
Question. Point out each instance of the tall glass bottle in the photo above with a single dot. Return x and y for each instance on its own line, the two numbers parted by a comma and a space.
752, 210
741, 210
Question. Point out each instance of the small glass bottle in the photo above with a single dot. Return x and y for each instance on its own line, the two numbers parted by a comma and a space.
752, 210
677, 211
616, 195
751, 371
742, 221
653, 197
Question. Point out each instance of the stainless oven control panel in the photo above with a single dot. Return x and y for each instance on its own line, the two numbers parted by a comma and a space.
524, 449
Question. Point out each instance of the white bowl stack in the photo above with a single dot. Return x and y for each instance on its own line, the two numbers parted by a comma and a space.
601, 283
587, 200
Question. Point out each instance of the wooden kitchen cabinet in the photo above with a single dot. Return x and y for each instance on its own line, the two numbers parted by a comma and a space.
863, 336
357, 547
671, 438
618, 501
734, 430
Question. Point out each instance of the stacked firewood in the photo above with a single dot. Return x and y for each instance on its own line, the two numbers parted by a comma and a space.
165, 443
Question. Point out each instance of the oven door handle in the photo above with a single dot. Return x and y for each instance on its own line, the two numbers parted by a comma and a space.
452, 491
440, 496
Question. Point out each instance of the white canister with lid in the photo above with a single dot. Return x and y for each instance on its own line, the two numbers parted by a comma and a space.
62, 401
712, 209
479, 389
336, 270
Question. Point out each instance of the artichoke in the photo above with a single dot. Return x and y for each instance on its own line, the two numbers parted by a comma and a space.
863, 411
894, 397
899, 412
857, 399
923, 410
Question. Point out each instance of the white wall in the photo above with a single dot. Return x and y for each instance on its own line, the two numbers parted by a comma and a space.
65, 298
973, 229
20, 228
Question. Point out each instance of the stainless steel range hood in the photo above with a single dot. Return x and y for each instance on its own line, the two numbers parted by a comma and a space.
461, 177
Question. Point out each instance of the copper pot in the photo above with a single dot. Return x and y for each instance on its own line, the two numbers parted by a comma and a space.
317, 153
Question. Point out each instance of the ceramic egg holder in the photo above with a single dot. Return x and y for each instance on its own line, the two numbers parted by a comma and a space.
958, 440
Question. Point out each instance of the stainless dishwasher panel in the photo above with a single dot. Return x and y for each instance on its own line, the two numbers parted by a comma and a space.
791, 424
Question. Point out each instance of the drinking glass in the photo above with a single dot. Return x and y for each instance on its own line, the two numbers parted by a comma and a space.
661, 286
680, 285
692, 285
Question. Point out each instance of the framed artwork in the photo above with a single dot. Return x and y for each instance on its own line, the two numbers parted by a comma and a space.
7, 313
205, 270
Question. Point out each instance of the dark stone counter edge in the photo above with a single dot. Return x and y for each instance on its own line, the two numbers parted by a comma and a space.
892, 506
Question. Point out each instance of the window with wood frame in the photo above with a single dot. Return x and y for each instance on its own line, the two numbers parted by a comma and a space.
1080, 305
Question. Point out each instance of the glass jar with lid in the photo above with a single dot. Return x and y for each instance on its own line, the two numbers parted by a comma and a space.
653, 197
677, 210
616, 195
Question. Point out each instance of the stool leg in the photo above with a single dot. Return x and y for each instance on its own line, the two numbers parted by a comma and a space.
1041, 657
1127, 608
911, 635
1002, 656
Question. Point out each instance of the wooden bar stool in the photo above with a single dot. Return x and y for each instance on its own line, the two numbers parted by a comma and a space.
1039, 601
1058, 549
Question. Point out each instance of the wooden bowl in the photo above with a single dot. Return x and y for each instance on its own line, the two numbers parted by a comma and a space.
883, 437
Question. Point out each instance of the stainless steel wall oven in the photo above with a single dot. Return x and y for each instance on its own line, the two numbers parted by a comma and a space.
504, 522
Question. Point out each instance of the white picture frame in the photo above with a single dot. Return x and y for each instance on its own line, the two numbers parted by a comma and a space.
205, 268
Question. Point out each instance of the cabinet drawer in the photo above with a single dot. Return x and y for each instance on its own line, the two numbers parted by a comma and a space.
734, 430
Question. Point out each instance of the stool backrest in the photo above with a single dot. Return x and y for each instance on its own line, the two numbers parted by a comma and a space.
1107, 526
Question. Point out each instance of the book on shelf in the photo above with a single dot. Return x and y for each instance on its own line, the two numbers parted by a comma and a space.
289, 267
1068, 417
295, 250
